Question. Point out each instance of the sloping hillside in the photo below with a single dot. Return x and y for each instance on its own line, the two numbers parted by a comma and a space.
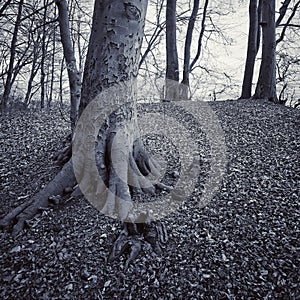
243, 245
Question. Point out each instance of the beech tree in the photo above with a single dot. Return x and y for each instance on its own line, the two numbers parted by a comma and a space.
112, 60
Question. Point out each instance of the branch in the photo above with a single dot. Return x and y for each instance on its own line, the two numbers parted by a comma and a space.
36, 11
5, 5
201, 35
287, 23
282, 11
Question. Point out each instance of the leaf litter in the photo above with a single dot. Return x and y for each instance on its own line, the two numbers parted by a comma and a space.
243, 245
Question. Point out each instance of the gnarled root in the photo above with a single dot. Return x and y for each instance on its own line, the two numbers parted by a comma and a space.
65, 154
26, 211
133, 236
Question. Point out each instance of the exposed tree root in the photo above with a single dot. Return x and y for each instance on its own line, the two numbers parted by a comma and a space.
21, 214
134, 236
126, 169
65, 154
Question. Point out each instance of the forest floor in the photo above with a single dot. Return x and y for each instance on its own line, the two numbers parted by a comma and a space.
244, 244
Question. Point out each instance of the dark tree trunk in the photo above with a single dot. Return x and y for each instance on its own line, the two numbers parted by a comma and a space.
188, 67
34, 70
253, 44
282, 11
266, 84
52, 66
187, 52
43, 58
199, 47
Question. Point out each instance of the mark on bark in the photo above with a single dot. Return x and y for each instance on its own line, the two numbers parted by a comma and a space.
132, 12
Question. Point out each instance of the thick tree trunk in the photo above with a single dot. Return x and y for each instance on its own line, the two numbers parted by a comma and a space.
172, 67
266, 84
109, 149
114, 47
252, 50
113, 58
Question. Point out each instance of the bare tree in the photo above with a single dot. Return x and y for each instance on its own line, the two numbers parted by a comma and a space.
172, 64
287, 24
187, 65
73, 72
253, 46
13, 46
112, 60
266, 84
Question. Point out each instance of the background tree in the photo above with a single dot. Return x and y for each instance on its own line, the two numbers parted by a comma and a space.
8, 84
172, 64
253, 46
73, 72
266, 84
283, 22
187, 65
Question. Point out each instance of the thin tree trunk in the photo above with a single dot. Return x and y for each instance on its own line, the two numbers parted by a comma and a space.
172, 67
199, 48
52, 66
33, 73
73, 73
188, 67
43, 58
8, 83
282, 11
187, 51
252, 49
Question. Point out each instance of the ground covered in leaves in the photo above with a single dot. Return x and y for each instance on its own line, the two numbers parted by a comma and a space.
243, 245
